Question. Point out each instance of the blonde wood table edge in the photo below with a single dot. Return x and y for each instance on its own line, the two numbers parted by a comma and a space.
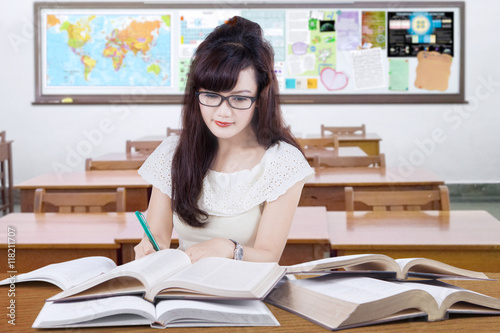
467, 239
91, 179
29, 298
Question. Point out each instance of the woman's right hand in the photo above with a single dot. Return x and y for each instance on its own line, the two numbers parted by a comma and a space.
143, 248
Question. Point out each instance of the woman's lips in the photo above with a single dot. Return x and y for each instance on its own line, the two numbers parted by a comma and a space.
222, 123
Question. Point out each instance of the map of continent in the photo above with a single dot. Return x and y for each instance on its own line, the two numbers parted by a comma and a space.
108, 50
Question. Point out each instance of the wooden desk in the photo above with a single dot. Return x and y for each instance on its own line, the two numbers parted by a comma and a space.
30, 297
119, 161
42, 239
326, 187
467, 239
137, 190
326, 152
307, 239
369, 142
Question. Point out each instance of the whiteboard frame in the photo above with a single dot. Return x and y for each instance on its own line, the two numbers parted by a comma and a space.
138, 97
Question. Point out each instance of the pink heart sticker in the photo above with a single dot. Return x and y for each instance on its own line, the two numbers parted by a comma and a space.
333, 80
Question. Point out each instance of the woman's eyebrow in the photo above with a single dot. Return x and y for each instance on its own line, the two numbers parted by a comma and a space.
241, 91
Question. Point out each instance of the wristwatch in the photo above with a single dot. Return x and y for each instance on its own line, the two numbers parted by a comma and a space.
238, 250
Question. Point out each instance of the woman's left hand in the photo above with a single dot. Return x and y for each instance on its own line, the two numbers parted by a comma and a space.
215, 247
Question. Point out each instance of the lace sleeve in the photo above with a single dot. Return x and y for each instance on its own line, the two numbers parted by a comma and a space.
157, 167
285, 169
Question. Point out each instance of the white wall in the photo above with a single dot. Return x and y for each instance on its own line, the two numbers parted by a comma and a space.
468, 150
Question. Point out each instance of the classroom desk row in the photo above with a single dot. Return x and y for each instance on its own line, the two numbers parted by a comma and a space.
369, 142
42, 239
325, 188
467, 239
30, 297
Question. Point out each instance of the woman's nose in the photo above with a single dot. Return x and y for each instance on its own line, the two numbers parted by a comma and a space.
224, 110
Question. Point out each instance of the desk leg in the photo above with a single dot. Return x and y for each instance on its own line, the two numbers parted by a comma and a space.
27, 200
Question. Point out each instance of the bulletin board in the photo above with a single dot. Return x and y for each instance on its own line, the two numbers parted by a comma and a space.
325, 53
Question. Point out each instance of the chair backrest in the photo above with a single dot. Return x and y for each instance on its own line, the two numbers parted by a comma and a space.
319, 143
112, 165
438, 199
6, 177
2, 136
173, 131
143, 147
343, 130
349, 161
72, 202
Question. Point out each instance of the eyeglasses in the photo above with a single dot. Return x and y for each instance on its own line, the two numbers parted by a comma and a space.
234, 101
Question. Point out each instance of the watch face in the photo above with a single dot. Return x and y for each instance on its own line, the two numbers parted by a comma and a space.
238, 252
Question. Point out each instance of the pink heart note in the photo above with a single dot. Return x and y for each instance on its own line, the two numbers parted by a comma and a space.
333, 80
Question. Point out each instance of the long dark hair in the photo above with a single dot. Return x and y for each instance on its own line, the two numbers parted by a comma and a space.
230, 48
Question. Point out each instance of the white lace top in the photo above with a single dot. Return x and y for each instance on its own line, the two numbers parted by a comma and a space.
234, 201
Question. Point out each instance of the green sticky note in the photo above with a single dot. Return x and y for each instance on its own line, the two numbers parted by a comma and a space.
398, 74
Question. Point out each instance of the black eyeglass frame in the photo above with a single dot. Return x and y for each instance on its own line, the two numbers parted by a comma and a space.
223, 98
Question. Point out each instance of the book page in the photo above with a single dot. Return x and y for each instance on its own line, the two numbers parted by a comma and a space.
176, 313
358, 290
226, 277
377, 262
446, 295
69, 273
156, 266
83, 312
135, 276
431, 266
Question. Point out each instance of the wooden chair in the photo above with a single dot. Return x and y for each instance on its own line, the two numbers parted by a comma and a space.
80, 202
113, 165
6, 177
438, 199
342, 130
142, 147
173, 131
349, 161
319, 143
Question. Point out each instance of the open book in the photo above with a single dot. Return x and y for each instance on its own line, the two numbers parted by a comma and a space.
66, 274
403, 268
133, 310
337, 302
170, 274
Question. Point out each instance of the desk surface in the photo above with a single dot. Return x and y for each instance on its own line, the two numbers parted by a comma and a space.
341, 152
67, 235
468, 239
30, 296
364, 176
121, 156
65, 230
474, 229
89, 179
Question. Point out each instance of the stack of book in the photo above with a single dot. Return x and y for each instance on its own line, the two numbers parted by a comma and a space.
370, 289
161, 290
165, 290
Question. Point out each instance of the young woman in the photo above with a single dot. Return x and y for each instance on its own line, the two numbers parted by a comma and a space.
231, 182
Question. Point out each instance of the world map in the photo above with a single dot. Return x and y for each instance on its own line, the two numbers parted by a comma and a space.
108, 50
